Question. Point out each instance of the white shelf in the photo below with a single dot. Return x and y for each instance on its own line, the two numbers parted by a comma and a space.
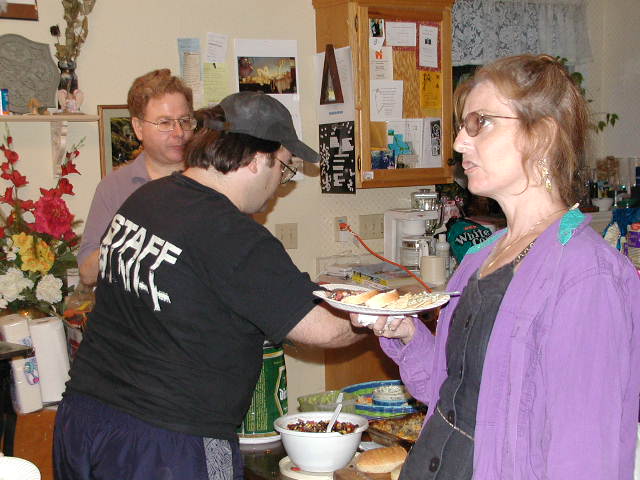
59, 128
81, 117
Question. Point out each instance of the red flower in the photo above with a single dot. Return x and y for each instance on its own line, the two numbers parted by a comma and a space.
70, 237
54, 192
8, 196
12, 157
6, 170
27, 204
69, 167
65, 187
16, 178
52, 216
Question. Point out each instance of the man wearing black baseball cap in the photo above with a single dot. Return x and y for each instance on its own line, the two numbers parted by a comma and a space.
190, 287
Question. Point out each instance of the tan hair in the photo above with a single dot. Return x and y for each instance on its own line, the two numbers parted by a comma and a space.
155, 84
553, 114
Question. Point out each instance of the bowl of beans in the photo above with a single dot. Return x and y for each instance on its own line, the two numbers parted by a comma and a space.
311, 448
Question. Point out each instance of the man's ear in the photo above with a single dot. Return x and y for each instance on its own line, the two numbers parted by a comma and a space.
136, 123
253, 164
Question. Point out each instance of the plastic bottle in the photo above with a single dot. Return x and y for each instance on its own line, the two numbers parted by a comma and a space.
442, 250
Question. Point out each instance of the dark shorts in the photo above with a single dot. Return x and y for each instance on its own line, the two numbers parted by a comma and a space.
93, 441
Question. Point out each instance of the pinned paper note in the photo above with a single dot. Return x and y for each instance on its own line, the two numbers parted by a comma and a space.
428, 47
381, 64
187, 45
386, 100
430, 90
401, 34
432, 143
217, 82
216, 47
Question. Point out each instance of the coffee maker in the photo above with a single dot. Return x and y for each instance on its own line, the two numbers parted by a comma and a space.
407, 231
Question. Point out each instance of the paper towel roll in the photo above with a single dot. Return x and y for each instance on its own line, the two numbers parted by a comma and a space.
49, 343
25, 391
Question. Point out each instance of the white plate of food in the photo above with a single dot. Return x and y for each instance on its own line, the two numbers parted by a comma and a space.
367, 301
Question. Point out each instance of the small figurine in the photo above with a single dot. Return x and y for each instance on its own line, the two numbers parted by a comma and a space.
70, 102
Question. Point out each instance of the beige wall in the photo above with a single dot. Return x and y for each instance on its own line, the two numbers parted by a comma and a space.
128, 38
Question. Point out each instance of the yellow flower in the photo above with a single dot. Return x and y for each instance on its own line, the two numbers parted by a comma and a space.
36, 255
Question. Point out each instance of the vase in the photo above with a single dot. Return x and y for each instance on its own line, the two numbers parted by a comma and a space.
68, 77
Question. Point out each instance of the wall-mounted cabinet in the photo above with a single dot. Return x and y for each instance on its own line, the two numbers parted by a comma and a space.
421, 66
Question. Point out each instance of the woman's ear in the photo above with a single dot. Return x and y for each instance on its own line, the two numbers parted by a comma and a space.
547, 136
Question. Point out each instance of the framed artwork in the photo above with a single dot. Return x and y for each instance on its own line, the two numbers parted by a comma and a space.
21, 10
118, 142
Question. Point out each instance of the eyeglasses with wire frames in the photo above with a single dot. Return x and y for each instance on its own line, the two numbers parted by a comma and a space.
169, 124
475, 121
287, 172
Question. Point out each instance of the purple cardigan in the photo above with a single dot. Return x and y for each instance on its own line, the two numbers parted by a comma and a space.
560, 383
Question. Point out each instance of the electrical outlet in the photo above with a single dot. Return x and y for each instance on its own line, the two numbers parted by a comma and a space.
371, 226
287, 233
341, 235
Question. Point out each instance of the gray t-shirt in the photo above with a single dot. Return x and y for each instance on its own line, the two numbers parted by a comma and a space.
110, 194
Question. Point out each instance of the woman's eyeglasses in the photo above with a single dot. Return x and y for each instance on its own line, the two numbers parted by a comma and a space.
169, 124
474, 122
287, 172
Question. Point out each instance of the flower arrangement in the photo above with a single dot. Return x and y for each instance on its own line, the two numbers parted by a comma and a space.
37, 241
75, 15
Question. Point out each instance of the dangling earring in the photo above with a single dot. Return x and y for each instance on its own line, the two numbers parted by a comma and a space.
544, 173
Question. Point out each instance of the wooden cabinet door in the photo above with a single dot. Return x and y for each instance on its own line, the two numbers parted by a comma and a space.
347, 23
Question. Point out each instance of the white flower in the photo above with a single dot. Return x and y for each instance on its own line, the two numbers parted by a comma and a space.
13, 283
11, 250
49, 289
3, 303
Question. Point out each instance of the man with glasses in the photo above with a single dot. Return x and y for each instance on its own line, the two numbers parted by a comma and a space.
161, 109
190, 287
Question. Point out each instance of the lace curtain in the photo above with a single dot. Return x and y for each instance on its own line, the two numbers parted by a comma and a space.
484, 30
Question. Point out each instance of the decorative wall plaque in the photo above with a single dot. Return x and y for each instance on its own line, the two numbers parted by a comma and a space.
28, 71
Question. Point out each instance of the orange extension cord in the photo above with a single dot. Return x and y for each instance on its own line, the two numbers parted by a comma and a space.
347, 227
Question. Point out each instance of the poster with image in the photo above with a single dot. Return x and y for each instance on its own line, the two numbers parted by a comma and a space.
337, 158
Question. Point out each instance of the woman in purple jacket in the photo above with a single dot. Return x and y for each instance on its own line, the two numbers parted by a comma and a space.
533, 371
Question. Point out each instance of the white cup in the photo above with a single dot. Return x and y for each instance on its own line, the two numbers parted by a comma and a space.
604, 204
432, 270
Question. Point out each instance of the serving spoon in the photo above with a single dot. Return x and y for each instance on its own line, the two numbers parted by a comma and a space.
336, 412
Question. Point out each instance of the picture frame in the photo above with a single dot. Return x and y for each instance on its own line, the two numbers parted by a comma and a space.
118, 142
24, 10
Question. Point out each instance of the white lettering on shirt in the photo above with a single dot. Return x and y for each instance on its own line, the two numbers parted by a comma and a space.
125, 246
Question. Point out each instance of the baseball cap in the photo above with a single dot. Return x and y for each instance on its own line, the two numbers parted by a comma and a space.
262, 116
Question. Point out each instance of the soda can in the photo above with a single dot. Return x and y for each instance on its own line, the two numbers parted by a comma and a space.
5, 101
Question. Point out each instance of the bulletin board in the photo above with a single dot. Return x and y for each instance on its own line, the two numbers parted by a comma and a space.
405, 92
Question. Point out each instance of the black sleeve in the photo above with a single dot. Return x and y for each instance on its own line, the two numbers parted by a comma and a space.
269, 291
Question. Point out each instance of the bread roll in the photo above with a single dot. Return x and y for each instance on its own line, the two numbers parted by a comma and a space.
381, 460
360, 298
395, 473
382, 299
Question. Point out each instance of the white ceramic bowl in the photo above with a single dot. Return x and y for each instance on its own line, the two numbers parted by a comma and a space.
320, 452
